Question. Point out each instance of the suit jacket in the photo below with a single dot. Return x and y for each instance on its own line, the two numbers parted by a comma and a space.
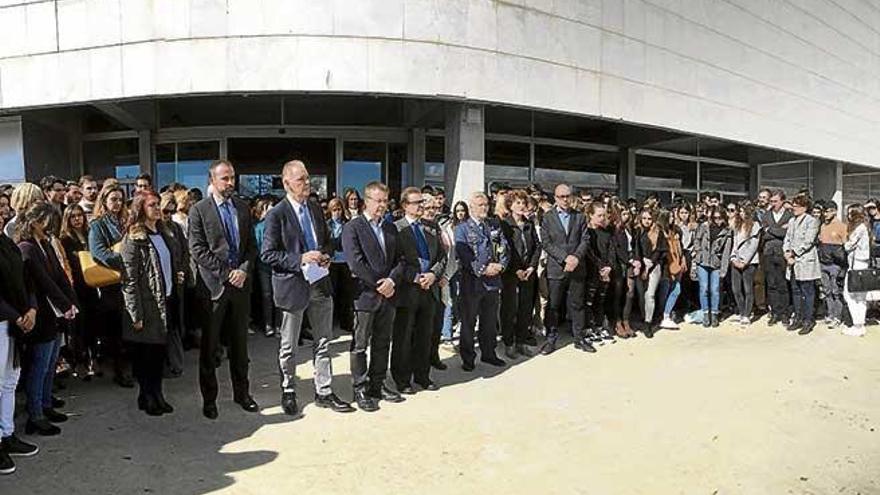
476, 246
525, 250
557, 244
801, 239
51, 288
208, 246
369, 263
774, 232
283, 246
436, 261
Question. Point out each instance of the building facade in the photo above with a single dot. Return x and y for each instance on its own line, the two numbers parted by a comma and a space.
670, 96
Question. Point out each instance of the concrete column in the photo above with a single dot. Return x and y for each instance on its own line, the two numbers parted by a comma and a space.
465, 150
417, 156
626, 173
145, 152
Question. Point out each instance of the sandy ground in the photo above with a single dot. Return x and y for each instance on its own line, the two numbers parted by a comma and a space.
722, 411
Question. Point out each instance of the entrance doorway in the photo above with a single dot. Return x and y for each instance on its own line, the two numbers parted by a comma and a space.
258, 163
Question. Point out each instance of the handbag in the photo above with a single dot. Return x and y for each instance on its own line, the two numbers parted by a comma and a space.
96, 275
866, 280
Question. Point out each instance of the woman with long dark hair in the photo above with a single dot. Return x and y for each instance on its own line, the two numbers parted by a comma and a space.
75, 239
340, 275
744, 261
353, 203
271, 315
712, 245
651, 248
18, 313
624, 269
676, 266
178, 309
56, 305
460, 214
105, 233
154, 272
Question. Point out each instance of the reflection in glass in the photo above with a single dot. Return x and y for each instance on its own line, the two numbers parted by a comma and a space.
362, 163
580, 168
724, 178
791, 177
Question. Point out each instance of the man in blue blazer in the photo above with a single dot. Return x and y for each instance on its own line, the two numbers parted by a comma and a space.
296, 236
377, 262
482, 256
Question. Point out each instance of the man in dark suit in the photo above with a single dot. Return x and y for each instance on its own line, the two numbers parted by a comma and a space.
564, 239
774, 227
222, 245
417, 298
375, 259
296, 239
482, 257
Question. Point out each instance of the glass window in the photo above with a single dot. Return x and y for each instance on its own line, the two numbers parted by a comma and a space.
255, 157
860, 184
791, 177
362, 162
665, 174
580, 168
507, 163
113, 158
435, 164
11, 151
185, 163
724, 178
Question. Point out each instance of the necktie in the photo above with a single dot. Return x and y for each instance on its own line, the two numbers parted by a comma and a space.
305, 220
421, 245
227, 212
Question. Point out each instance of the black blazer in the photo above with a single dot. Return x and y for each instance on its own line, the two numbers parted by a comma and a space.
369, 263
599, 254
621, 251
644, 249
557, 244
208, 246
283, 246
436, 261
525, 249
50, 284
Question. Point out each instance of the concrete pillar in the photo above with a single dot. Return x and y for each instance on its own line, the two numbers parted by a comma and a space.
465, 150
626, 173
417, 156
145, 152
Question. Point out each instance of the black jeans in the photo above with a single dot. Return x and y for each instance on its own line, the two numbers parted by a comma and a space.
109, 320
803, 297
777, 285
343, 294
227, 325
594, 308
743, 286
148, 362
517, 307
565, 293
372, 331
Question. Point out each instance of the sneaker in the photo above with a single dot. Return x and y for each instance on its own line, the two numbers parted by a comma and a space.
854, 331
269, 332
668, 324
15, 447
833, 324
7, 466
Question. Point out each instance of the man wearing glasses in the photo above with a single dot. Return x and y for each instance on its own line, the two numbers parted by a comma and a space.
564, 239
374, 256
774, 227
143, 182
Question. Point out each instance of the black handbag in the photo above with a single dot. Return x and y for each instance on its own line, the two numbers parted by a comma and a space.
865, 280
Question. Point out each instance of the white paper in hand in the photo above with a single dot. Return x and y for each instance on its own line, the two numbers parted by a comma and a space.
314, 272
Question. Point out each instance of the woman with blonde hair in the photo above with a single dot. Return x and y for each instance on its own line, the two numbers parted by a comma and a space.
340, 275
23, 197
858, 249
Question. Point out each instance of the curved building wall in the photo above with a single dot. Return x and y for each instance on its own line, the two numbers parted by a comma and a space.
801, 75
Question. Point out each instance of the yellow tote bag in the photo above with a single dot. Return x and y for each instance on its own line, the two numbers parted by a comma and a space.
96, 275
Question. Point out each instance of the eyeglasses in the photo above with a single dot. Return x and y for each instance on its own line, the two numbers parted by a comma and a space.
563, 196
731, 210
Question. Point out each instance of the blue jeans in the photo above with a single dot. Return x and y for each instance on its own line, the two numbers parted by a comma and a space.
710, 279
449, 313
672, 296
41, 376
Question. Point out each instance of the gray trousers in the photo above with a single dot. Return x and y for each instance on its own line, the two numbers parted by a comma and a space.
832, 288
320, 312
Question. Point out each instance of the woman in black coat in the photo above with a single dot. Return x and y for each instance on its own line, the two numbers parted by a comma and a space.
520, 279
75, 239
651, 248
153, 269
56, 306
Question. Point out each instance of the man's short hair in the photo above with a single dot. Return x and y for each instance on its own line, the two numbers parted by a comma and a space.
86, 178
145, 176
290, 166
778, 193
409, 190
217, 163
375, 186
48, 181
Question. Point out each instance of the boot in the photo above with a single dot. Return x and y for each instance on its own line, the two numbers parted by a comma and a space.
715, 320
707, 319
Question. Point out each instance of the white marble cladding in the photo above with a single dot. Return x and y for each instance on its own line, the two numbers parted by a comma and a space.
802, 75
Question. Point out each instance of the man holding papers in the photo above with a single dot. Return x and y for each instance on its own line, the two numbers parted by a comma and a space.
297, 246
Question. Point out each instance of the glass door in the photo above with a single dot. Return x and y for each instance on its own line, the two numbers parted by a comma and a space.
362, 162
258, 163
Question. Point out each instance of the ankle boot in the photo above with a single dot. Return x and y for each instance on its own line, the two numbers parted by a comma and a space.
715, 319
707, 319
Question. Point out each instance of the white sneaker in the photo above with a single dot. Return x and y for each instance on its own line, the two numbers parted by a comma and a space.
669, 324
854, 331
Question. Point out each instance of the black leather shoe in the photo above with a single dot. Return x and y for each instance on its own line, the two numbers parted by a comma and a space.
365, 402
57, 403
649, 330
41, 427
164, 405
467, 366
123, 381
288, 404
334, 403
494, 361
54, 416
7, 465
429, 386
209, 409
387, 395
584, 345
549, 345
438, 365
807, 328
772, 321
406, 390
248, 404
152, 407
795, 325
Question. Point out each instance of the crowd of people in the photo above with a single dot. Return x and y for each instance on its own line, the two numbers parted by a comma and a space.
93, 279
